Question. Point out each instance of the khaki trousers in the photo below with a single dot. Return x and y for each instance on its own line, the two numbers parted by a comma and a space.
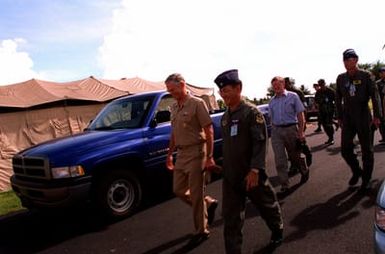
189, 183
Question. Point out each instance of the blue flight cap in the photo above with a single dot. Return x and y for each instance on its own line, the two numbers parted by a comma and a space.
349, 53
229, 77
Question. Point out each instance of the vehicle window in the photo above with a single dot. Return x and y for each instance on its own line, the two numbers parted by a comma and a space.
122, 114
165, 103
310, 102
163, 111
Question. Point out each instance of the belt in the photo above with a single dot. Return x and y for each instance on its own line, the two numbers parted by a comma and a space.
285, 125
188, 146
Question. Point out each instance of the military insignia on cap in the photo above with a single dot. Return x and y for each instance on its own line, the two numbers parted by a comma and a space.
227, 78
259, 118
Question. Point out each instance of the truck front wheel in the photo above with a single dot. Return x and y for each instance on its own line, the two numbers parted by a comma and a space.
118, 194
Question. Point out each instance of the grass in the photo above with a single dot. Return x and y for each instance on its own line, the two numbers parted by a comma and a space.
9, 202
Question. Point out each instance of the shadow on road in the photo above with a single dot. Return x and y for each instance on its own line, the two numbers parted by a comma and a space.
34, 231
333, 150
171, 244
379, 148
30, 232
266, 250
338, 210
313, 134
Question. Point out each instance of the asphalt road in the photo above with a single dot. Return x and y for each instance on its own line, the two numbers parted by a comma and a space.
321, 216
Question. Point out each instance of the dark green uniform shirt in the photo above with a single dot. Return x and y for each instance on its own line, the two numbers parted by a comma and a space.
381, 89
325, 100
353, 94
244, 142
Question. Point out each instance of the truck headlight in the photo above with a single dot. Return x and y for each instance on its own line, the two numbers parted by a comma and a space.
380, 218
65, 172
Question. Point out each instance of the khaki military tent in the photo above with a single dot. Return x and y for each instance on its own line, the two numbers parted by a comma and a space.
35, 111
136, 85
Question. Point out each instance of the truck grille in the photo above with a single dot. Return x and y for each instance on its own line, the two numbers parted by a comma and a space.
32, 167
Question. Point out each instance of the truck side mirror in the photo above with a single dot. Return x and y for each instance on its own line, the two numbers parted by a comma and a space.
162, 116
153, 123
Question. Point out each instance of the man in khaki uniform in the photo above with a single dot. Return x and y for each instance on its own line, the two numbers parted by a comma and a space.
192, 136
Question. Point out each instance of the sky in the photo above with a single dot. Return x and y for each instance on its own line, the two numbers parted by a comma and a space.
67, 40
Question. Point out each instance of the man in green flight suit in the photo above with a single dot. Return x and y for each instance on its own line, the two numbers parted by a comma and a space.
244, 164
354, 89
325, 99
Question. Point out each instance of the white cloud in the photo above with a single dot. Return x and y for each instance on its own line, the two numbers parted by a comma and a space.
200, 39
15, 66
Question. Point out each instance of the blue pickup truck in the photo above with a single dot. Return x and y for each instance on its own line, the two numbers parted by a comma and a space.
117, 160
115, 164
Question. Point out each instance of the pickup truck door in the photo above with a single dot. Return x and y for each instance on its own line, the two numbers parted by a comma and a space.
157, 137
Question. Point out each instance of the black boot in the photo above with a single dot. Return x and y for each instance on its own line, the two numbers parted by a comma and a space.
329, 142
365, 185
276, 239
355, 177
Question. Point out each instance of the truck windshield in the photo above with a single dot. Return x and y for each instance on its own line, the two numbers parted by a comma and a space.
122, 114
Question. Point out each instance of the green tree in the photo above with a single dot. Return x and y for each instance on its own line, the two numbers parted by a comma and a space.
264, 100
221, 104
376, 67
365, 66
305, 90
270, 92
371, 67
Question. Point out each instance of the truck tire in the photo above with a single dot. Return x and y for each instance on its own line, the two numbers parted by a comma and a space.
118, 194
